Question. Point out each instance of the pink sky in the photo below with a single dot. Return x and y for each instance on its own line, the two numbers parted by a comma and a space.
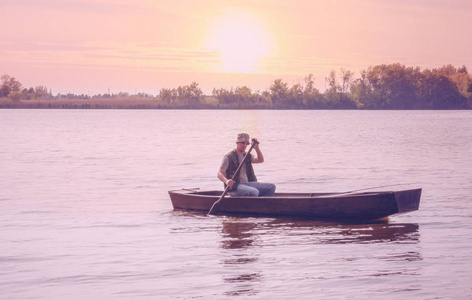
90, 46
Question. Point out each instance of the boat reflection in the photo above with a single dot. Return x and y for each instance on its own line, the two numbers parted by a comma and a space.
244, 276
238, 234
243, 241
241, 233
337, 233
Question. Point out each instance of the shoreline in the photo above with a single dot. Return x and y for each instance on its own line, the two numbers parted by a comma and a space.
154, 104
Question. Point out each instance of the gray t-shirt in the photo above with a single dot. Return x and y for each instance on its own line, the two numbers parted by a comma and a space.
242, 174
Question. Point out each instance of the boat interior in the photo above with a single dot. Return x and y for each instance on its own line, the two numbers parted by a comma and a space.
217, 193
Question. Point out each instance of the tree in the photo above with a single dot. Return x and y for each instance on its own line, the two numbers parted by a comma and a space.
40, 91
278, 91
243, 95
312, 97
447, 70
387, 87
263, 98
332, 82
28, 94
463, 82
15, 95
9, 84
168, 95
440, 92
401, 84
361, 91
309, 84
295, 96
463, 69
189, 94
223, 95
347, 78
333, 92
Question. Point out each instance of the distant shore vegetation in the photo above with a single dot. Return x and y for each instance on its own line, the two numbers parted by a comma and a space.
392, 86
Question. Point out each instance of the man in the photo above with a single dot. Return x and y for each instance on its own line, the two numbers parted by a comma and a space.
246, 183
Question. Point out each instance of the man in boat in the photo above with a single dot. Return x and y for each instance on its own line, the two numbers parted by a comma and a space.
246, 183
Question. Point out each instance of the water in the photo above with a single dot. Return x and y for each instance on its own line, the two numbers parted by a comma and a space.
85, 212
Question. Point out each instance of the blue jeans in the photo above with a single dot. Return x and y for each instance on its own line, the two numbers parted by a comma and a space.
254, 189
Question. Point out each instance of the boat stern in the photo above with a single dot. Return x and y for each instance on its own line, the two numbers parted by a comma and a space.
408, 200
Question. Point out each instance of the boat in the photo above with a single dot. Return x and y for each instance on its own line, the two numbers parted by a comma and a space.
336, 206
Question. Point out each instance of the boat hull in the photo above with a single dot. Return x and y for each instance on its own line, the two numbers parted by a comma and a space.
362, 206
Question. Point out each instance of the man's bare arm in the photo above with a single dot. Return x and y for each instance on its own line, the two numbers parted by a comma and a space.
221, 176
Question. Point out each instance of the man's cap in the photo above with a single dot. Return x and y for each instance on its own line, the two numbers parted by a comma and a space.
242, 137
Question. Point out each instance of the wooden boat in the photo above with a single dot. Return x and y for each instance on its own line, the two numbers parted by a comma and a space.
339, 206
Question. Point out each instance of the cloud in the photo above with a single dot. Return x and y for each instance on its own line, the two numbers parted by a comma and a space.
78, 6
108, 55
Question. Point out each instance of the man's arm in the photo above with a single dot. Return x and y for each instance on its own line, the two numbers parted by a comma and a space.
221, 176
260, 158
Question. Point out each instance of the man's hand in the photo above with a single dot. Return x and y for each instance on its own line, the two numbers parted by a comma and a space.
256, 145
260, 158
221, 176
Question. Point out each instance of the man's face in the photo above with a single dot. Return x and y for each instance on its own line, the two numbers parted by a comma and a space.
241, 146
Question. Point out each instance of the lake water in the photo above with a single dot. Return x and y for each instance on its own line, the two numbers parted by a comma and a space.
85, 212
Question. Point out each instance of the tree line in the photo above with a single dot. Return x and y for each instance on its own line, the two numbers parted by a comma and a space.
14, 90
393, 86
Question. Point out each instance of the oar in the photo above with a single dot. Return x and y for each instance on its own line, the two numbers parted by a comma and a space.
213, 207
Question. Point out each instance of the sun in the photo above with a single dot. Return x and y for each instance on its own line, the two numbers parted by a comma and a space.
241, 42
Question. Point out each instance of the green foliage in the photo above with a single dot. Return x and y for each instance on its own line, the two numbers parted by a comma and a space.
439, 91
40, 92
188, 96
279, 93
168, 95
337, 96
398, 87
240, 97
393, 86
312, 98
15, 96
9, 84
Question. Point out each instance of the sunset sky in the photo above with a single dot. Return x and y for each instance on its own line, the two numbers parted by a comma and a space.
90, 46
